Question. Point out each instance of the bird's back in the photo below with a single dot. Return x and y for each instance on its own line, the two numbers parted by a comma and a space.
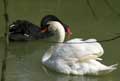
77, 49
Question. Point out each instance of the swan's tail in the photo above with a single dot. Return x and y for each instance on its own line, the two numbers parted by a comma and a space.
108, 69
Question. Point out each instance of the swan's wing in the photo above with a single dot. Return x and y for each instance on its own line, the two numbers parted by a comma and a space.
87, 47
76, 40
78, 50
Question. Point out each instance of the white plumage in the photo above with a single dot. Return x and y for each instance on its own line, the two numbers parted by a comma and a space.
76, 56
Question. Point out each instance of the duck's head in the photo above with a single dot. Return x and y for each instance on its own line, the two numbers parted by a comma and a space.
45, 24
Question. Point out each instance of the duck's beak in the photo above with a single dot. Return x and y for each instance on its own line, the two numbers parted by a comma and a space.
44, 30
69, 33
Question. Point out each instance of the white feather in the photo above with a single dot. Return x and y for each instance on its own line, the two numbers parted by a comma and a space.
76, 56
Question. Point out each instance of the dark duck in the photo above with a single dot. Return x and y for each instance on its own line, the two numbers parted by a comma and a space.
23, 30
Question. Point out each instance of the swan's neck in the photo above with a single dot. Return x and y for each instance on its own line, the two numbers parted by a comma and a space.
61, 34
60, 31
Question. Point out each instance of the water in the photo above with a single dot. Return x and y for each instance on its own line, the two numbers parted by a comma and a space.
87, 19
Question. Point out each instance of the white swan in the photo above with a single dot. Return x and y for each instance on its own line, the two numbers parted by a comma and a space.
78, 59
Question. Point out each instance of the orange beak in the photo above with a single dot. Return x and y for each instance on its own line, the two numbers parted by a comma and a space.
44, 30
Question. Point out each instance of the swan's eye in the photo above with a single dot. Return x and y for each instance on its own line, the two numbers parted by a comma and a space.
52, 29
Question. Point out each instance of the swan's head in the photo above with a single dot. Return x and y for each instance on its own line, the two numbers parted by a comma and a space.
52, 23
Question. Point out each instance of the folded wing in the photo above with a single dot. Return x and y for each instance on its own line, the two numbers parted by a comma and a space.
78, 50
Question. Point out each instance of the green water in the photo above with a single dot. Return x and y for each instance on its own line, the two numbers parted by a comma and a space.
87, 19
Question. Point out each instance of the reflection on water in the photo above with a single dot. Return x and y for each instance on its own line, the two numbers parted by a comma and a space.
62, 77
78, 78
